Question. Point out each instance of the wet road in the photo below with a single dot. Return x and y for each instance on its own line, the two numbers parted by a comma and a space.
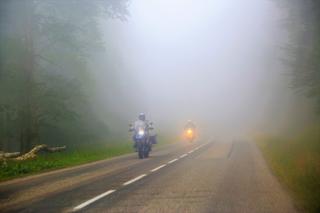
198, 177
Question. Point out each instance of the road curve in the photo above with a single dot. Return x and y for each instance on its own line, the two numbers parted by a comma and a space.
197, 177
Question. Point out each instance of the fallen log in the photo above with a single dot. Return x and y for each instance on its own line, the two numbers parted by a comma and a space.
55, 149
9, 154
33, 152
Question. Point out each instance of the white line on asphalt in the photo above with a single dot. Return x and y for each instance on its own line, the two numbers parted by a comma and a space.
134, 179
173, 160
159, 167
82, 205
184, 155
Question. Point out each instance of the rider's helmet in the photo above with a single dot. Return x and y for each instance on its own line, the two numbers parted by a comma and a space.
190, 124
142, 117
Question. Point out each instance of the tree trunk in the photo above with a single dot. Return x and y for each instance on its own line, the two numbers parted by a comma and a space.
29, 64
6, 136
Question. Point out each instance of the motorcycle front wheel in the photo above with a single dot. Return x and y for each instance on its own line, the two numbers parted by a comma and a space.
140, 153
146, 153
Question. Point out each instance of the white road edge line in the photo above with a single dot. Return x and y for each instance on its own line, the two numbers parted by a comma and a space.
191, 151
134, 179
82, 205
174, 160
159, 167
184, 155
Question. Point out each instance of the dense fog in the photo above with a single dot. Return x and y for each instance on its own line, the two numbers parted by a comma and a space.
219, 63
80, 70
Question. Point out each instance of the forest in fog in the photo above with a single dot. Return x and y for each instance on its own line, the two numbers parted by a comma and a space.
76, 72
46, 88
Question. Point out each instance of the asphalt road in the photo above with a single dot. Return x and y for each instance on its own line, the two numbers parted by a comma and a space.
197, 177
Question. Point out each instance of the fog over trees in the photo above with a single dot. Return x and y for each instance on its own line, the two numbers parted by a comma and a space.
45, 83
78, 71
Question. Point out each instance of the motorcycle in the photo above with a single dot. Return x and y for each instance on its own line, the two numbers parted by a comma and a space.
190, 134
143, 140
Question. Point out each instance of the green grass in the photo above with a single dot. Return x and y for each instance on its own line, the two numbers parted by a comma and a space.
71, 157
296, 162
76, 156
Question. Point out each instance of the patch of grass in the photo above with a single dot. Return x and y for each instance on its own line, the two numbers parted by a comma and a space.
72, 157
296, 161
76, 156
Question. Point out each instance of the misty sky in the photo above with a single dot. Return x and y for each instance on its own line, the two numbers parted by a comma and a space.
216, 62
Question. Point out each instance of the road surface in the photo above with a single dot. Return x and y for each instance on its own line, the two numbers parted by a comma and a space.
198, 177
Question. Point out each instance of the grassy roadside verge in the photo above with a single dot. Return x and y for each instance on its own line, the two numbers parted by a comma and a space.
296, 162
71, 157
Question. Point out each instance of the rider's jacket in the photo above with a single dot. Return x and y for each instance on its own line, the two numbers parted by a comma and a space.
140, 124
190, 126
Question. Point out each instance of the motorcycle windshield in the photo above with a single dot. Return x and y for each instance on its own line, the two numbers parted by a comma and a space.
140, 127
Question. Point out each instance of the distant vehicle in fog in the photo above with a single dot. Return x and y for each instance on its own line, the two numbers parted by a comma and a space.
190, 131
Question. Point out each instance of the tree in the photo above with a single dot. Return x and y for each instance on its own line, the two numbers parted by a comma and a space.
50, 42
304, 26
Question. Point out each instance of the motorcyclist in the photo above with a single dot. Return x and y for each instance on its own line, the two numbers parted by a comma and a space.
190, 125
141, 122
190, 130
144, 124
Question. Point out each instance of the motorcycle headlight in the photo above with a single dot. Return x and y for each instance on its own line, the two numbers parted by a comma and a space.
141, 132
189, 132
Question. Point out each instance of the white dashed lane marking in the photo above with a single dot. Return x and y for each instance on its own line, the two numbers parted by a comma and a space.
159, 167
184, 155
174, 160
88, 202
134, 179
82, 205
